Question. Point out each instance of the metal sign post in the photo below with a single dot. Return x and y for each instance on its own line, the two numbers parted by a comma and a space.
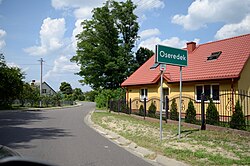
172, 56
162, 69
179, 130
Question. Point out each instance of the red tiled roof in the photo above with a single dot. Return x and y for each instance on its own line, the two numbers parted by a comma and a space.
235, 53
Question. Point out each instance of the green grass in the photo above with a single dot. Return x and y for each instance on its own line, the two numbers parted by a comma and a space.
195, 147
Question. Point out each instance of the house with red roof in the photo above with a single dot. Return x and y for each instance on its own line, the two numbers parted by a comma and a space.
214, 68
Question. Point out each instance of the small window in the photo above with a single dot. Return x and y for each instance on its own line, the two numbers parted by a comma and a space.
207, 92
198, 92
144, 94
210, 91
43, 90
214, 55
216, 92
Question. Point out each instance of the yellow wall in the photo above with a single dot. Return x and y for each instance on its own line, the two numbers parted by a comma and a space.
244, 81
188, 91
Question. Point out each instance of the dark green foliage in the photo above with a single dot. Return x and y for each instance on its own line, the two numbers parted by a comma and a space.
11, 85
78, 94
190, 113
90, 96
212, 115
104, 48
66, 88
238, 119
141, 111
173, 111
152, 110
142, 55
105, 95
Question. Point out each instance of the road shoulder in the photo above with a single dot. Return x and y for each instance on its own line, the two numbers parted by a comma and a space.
132, 147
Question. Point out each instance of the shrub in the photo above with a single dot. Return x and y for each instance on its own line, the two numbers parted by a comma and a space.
190, 113
152, 110
212, 115
238, 119
141, 111
173, 111
105, 95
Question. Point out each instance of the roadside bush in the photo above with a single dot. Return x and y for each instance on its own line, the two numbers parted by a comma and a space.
190, 113
105, 95
173, 111
152, 110
212, 115
238, 119
141, 111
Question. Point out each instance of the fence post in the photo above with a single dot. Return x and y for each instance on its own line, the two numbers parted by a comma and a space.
130, 106
167, 107
144, 107
203, 122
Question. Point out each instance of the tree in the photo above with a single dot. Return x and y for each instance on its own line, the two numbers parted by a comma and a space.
173, 111
190, 113
141, 110
78, 94
66, 88
212, 115
11, 84
152, 110
26, 93
142, 55
104, 48
238, 119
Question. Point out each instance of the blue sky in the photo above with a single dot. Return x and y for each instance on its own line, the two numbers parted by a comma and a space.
34, 29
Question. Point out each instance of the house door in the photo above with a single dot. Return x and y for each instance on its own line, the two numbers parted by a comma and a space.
165, 93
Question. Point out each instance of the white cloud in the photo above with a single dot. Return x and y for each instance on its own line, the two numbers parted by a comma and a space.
149, 32
51, 37
230, 30
62, 65
76, 31
172, 42
2, 41
202, 12
83, 13
64, 4
144, 5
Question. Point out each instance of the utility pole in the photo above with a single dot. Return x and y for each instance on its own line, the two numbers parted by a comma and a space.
41, 79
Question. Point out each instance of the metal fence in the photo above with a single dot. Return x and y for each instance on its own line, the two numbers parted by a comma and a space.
225, 106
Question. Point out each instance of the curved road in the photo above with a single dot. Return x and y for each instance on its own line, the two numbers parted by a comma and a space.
62, 138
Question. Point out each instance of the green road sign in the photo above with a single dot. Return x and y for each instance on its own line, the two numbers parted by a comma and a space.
170, 55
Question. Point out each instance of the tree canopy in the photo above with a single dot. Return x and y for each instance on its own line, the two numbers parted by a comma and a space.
66, 88
11, 83
104, 48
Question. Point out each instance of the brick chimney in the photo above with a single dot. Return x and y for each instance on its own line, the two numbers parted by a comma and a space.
191, 47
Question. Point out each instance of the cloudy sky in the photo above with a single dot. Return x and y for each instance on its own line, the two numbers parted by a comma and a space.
34, 29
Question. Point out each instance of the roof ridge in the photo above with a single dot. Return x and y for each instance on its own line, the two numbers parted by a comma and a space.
234, 37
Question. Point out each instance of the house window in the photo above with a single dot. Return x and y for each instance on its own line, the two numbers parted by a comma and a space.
144, 94
210, 91
43, 90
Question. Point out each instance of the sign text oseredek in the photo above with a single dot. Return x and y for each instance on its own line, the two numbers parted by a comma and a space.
172, 56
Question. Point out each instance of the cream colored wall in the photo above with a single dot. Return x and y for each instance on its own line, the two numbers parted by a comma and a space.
244, 81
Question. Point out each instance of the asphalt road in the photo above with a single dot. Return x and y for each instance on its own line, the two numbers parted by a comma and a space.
62, 138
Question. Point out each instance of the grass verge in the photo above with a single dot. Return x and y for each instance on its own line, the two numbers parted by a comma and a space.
195, 147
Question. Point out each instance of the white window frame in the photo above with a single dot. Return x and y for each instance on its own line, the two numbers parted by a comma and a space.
211, 92
144, 96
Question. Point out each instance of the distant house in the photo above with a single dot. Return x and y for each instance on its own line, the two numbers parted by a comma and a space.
220, 69
46, 89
